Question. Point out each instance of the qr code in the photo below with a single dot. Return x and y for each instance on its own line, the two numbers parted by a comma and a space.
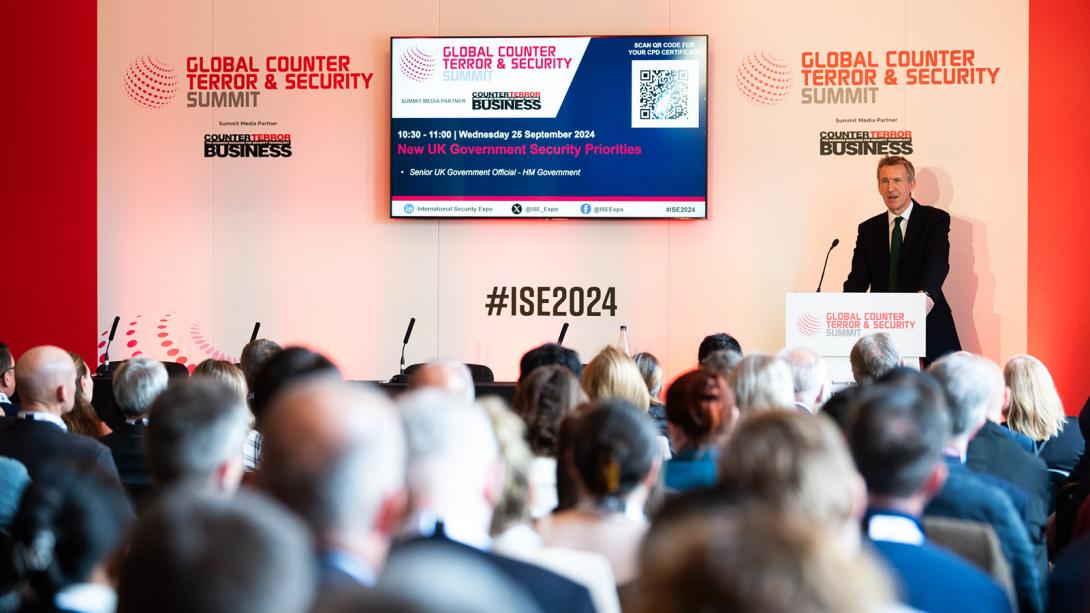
665, 94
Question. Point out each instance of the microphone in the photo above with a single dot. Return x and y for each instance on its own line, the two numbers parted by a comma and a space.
405, 342
253, 335
563, 332
105, 365
836, 241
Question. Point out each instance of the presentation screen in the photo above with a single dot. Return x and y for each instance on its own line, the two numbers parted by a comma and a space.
577, 127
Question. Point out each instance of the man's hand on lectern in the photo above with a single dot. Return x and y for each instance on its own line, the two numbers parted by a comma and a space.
928, 303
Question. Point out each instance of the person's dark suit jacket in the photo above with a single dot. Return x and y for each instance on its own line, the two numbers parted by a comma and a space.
39, 443
992, 452
925, 261
968, 495
126, 444
550, 591
10, 410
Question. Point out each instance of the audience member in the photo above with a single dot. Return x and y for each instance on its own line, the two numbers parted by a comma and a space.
721, 362
511, 530
455, 476
542, 400
615, 459
972, 380
254, 356
797, 464
46, 379
224, 372
756, 562
7, 382
809, 378
717, 342
978, 497
285, 368
838, 407
546, 355
82, 419
873, 356
217, 555
612, 374
136, 384
1068, 590
334, 453
700, 412
897, 437
13, 480
761, 383
194, 437
450, 376
67, 538
1036, 411
654, 379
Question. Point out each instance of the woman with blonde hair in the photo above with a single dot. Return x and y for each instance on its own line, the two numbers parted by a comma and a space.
612, 374
82, 419
1035, 410
224, 372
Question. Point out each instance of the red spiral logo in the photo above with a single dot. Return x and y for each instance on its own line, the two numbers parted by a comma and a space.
151, 83
764, 79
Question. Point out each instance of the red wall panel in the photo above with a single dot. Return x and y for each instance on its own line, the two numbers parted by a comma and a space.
49, 213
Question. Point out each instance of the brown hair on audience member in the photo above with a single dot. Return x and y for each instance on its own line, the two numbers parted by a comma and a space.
701, 405
83, 419
542, 399
226, 372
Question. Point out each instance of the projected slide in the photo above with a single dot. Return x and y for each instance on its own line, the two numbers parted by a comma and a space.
551, 127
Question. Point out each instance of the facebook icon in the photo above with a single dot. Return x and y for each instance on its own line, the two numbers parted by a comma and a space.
585, 209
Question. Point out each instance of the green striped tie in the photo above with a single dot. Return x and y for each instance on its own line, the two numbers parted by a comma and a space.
895, 254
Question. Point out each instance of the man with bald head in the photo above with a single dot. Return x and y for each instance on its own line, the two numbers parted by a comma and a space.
334, 452
449, 376
37, 437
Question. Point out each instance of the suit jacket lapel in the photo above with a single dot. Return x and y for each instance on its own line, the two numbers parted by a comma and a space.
913, 229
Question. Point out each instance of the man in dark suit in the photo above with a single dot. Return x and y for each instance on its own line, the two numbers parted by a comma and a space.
896, 437
46, 378
1017, 518
455, 477
907, 249
7, 383
136, 384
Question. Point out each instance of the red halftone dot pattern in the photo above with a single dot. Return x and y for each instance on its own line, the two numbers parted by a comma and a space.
151, 83
136, 353
130, 332
131, 344
172, 352
163, 335
167, 343
764, 79
132, 323
206, 345
161, 327
101, 344
102, 359
181, 360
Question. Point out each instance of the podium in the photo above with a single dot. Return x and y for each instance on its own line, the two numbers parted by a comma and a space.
830, 324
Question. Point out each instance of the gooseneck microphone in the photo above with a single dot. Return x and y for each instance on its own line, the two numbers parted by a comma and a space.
105, 365
563, 333
405, 342
253, 335
836, 241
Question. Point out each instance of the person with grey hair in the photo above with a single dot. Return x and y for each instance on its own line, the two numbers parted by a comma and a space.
721, 362
968, 386
762, 382
38, 436
334, 453
809, 377
194, 437
873, 356
445, 374
455, 478
136, 384
215, 555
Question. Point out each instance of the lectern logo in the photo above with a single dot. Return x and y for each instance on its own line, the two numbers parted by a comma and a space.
808, 324
151, 83
764, 79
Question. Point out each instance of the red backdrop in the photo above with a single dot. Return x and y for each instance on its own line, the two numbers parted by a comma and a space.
50, 224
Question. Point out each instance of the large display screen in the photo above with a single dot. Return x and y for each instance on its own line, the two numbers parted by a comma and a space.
549, 127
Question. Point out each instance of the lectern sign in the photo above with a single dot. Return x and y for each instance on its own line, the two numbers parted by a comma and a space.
831, 323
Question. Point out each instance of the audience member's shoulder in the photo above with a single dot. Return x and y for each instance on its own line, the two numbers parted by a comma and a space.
936, 580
